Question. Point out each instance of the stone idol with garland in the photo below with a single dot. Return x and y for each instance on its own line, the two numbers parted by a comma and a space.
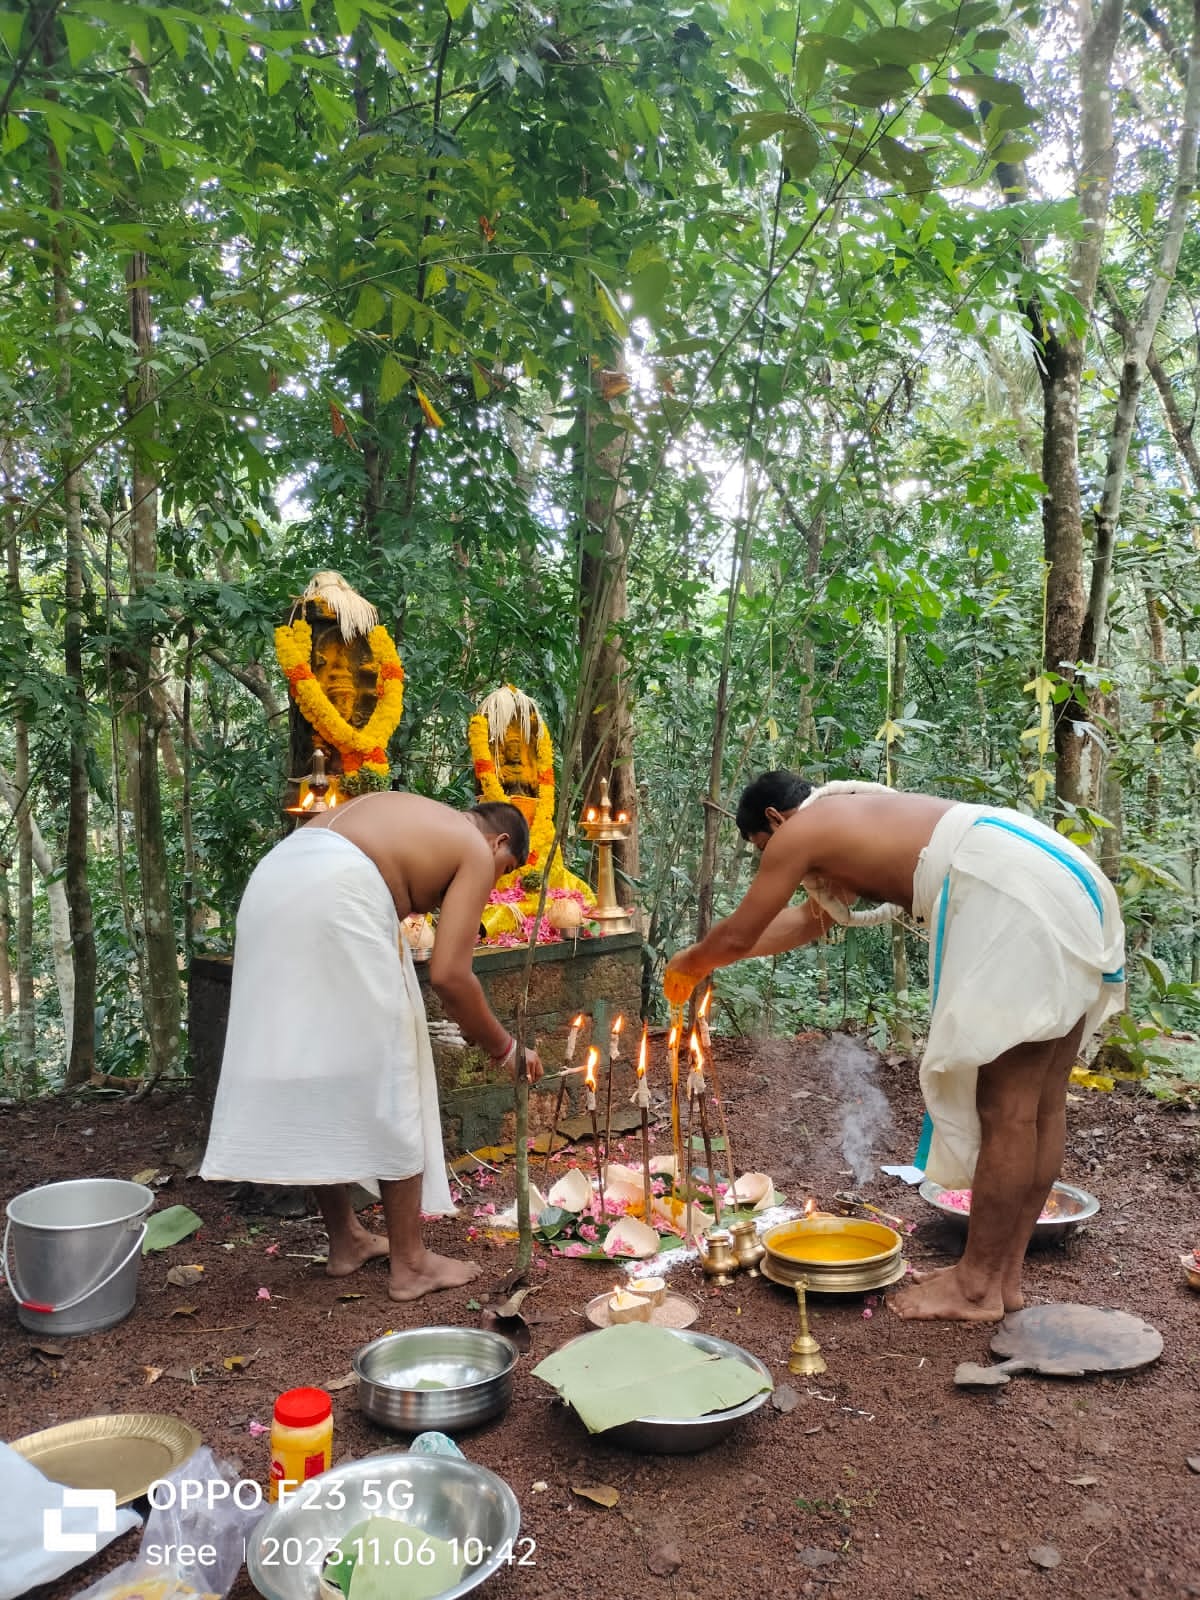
347, 690
514, 761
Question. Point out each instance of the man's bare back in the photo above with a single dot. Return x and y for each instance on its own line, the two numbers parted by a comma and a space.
868, 843
419, 845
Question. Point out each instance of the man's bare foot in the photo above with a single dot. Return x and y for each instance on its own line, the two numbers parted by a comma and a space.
942, 1297
1013, 1294
433, 1272
361, 1247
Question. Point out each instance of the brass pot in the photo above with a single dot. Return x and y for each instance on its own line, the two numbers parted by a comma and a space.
835, 1255
747, 1246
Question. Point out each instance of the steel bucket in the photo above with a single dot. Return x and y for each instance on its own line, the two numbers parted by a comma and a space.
76, 1247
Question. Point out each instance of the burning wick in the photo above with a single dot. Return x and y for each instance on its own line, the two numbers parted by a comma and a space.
641, 1095
810, 1205
589, 1081
622, 816
573, 1037
591, 815
614, 1043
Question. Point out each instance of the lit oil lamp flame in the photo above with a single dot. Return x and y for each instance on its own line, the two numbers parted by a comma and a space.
591, 814
643, 1049
614, 1043
810, 1205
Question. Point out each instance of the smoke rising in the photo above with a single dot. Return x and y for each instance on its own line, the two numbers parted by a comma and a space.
865, 1114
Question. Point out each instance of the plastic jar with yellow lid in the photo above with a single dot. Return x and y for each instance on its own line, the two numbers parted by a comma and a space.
301, 1438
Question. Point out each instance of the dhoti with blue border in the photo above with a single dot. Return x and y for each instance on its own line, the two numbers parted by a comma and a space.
1025, 937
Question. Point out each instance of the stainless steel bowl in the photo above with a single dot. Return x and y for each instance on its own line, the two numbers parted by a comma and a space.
448, 1379
440, 1495
1071, 1208
673, 1436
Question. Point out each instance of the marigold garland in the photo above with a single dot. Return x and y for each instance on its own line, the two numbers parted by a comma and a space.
509, 913
358, 747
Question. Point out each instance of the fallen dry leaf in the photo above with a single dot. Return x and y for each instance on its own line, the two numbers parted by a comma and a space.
663, 1560
600, 1494
355, 1296
236, 1363
785, 1398
1045, 1556
184, 1277
814, 1557
45, 1348
183, 1311
146, 1175
153, 1374
513, 1304
1083, 1483
347, 1382
1194, 1463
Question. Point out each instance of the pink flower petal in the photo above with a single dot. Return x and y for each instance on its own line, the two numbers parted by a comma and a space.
264, 1294
256, 1429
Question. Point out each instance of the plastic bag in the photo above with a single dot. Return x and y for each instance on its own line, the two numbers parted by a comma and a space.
44, 1531
194, 1541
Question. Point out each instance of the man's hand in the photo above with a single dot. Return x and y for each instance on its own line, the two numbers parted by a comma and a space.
533, 1065
681, 977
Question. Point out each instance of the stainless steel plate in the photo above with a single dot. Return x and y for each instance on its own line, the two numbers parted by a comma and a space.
1071, 1206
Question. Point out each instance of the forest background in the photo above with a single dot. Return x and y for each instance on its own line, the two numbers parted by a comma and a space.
754, 385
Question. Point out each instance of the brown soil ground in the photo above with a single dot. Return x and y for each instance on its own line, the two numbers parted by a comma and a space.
883, 1481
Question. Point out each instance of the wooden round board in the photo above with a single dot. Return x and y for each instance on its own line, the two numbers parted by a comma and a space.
676, 1311
1066, 1341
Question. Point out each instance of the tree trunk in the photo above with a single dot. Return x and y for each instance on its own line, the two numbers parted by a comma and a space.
607, 746
26, 1074
6, 993
901, 1027
1112, 805
80, 1017
1137, 339
161, 999
1060, 368
15, 797
1154, 769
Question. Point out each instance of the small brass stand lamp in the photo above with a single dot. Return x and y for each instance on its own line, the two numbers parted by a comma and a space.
805, 1359
311, 800
602, 828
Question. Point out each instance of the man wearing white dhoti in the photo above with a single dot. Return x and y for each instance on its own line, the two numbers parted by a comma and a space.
327, 1077
1026, 961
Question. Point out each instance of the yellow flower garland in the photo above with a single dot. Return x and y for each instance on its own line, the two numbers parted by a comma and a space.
358, 747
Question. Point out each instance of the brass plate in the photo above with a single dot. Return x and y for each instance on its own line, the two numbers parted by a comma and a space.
880, 1276
676, 1311
124, 1453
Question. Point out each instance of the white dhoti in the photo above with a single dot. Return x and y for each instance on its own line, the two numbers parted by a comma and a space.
1025, 937
327, 1075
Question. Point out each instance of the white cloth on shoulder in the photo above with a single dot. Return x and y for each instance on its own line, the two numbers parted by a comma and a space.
328, 1073
1025, 937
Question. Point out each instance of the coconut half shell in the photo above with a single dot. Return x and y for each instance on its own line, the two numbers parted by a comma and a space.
755, 1189
629, 1237
572, 1192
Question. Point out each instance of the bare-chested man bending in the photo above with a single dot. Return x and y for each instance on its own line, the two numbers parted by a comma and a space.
1026, 960
327, 1076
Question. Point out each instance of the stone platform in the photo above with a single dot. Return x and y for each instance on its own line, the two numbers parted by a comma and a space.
476, 1104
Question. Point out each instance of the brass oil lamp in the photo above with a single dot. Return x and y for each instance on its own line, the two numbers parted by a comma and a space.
602, 829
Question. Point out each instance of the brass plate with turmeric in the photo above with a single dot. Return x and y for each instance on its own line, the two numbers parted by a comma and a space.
843, 1255
124, 1453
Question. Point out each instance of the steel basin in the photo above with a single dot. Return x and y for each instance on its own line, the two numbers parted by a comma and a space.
1072, 1208
474, 1367
440, 1495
